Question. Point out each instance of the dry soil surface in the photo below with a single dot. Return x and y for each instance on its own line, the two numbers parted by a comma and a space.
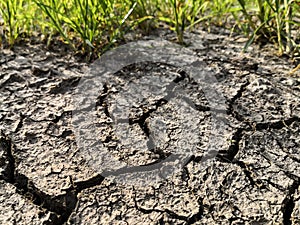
254, 179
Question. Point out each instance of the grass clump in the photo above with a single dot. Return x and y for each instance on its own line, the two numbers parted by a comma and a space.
274, 20
85, 24
183, 14
16, 19
96, 25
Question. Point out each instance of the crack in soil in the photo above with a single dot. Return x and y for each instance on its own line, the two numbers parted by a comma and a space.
239, 94
61, 205
288, 203
248, 173
142, 119
233, 149
6, 148
65, 85
277, 124
188, 219
101, 100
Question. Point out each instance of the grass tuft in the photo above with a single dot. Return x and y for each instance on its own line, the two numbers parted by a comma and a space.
91, 26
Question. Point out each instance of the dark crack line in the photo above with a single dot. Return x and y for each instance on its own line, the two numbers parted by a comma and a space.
81, 185
258, 183
277, 186
197, 216
229, 157
279, 86
6, 147
20, 123
277, 124
2, 116
188, 219
62, 205
101, 100
288, 203
244, 65
141, 121
171, 88
280, 166
234, 147
257, 126
54, 120
285, 150
57, 118
239, 94
64, 85
157, 165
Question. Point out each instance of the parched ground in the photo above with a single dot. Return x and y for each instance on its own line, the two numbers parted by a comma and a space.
46, 178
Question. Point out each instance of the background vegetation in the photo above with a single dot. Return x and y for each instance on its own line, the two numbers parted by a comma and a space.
95, 25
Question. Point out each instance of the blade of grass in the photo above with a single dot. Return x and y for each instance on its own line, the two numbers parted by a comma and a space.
53, 14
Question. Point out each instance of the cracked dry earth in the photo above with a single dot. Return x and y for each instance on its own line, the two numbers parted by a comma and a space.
46, 179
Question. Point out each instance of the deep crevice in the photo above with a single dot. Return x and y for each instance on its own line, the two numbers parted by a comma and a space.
9, 161
234, 148
288, 203
141, 121
228, 156
101, 100
170, 94
231, 110
189, 220
94, 181
61, 206
198, 216
239, 92
172, 214
248, 174
277, 124
20, 123
64, 86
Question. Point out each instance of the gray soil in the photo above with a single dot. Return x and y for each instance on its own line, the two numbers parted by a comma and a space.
46, 179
